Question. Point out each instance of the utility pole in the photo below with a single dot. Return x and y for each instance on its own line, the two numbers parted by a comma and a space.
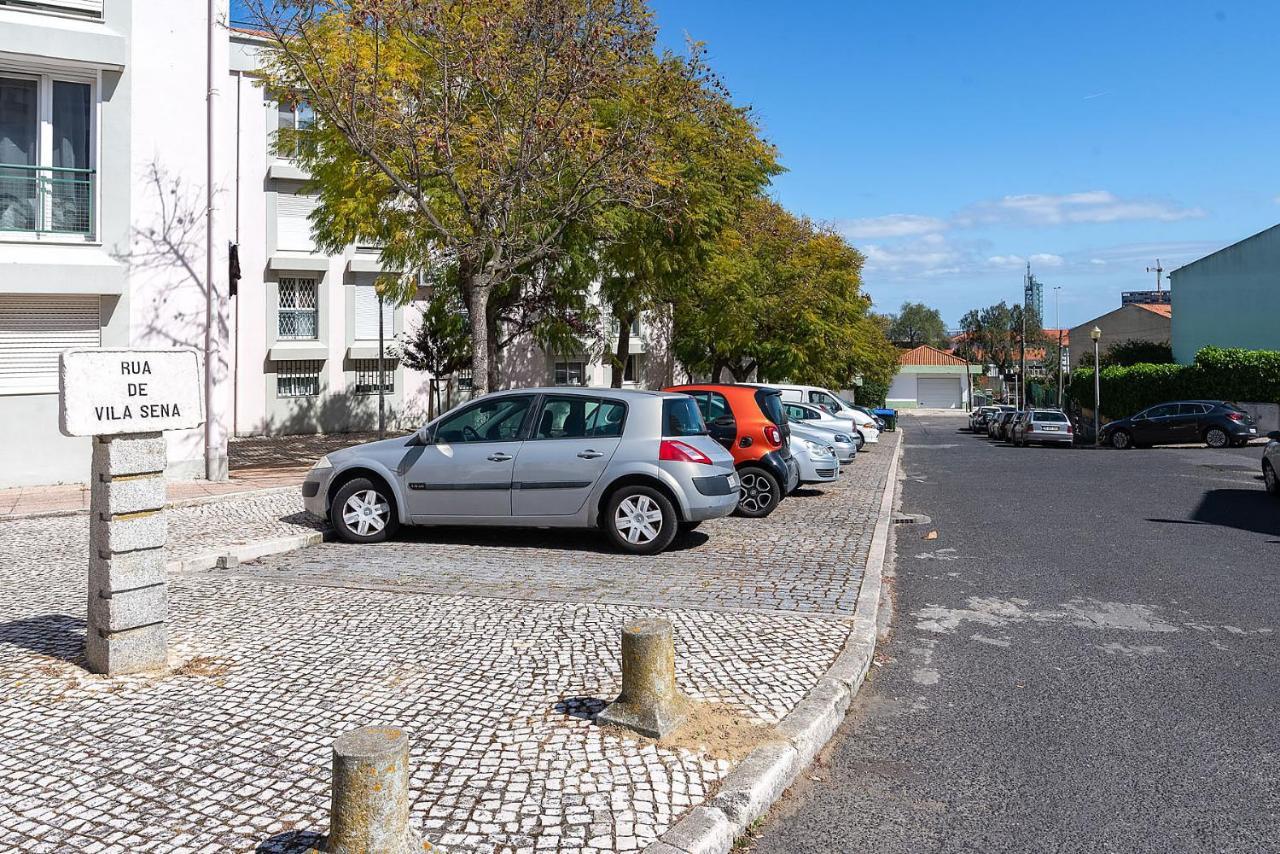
1157, 269
1057, 324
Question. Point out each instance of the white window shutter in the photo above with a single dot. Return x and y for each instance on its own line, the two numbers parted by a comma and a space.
367, 315
293, 229
34, 330
88, 8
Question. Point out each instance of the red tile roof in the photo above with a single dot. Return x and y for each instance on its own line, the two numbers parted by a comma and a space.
1162, 309
926, 355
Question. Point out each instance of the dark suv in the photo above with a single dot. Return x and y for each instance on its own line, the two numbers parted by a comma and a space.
1217, 423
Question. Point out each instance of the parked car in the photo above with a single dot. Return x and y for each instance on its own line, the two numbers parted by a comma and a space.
999, 429
1271, 464
1217, 423
749, 422
1046, 426
880, 422
816, 459
978, 418
842, 443
807, 415
865, 424
993, 419
640, 465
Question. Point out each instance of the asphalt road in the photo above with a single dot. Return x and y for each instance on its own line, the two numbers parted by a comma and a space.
1086, 658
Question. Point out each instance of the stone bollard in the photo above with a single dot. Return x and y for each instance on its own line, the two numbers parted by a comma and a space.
370, 806
128, 588
650, 703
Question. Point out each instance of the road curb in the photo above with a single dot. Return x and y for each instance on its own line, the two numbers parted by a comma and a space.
760, 779
231, 556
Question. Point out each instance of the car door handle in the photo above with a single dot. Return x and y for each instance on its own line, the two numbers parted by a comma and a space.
498, 457
591, 455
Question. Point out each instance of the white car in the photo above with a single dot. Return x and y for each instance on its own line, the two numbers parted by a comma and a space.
830, 403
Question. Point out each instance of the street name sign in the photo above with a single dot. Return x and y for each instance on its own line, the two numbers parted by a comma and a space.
110, 392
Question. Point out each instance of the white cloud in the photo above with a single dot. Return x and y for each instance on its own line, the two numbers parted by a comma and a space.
1006, 261
891, 225
1098, 262
1094, 206
1046, 259
928, 255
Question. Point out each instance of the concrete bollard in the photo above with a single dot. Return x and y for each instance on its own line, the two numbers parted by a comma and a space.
370, 805
650, 703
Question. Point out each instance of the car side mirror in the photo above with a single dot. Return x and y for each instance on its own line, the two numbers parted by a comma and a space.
425, 436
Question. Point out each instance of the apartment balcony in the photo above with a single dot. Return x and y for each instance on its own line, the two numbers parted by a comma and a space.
46, 201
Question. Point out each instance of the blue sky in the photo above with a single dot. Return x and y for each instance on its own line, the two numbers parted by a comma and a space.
951, 142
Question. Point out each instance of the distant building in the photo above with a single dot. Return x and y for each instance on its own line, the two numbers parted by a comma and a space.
1033, 294
1133, 322
931, 378
1230, 298
1145, 298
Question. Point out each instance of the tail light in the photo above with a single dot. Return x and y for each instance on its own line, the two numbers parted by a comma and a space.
1069, 430
674, 451
773, 434
1236, 416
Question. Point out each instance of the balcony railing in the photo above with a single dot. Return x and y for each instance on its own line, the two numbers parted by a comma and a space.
46, 200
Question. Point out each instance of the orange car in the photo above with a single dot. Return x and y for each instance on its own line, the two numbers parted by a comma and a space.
750, 422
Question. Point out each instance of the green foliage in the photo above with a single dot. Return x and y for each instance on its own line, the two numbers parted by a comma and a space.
916, 324
1216, 374
1137, 352
991, 335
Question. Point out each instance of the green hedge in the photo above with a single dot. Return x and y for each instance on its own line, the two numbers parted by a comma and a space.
1216, 374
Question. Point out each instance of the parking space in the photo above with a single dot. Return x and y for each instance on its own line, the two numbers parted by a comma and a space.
493, 648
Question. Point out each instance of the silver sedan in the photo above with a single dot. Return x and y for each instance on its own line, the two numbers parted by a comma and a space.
637, 464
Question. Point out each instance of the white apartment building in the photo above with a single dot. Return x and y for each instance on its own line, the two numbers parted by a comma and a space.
97, 99
106, 151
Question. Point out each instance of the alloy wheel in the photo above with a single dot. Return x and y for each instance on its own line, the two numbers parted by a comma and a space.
1120, 439
638, 519
366, 512
1216, 438
755, 495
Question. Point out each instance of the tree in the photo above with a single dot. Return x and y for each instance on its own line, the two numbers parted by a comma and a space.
441, 345
993, 335
916, 324
1136, 352
475, 135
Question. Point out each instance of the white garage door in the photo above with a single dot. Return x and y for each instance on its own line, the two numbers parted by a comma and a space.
938, 392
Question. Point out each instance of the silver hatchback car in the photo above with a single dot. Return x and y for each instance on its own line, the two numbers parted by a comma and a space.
638, 464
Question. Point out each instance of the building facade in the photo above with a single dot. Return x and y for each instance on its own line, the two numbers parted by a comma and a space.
1230, 298
104, 165
929, 378
1133, 322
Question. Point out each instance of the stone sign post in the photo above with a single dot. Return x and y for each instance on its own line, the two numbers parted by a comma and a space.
125, 400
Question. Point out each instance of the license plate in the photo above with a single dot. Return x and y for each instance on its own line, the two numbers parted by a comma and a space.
1050, 429
1253, 429
733, 481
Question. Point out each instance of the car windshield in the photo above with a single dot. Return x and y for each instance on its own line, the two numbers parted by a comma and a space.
681, 417
1049, 415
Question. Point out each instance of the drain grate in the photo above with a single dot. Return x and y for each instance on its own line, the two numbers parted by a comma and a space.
911, 519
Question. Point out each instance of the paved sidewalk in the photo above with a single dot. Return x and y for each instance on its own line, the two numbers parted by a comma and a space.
494, 649
257, 463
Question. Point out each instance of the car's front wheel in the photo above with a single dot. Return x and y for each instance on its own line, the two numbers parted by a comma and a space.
640, 520
363, 511
1270, 478
858, 439
1121, 440
1216, 437
759, 493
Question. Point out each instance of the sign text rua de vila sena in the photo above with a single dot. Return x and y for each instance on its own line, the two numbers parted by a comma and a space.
136, 390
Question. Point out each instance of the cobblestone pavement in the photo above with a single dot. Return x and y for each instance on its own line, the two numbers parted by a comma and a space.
494, 657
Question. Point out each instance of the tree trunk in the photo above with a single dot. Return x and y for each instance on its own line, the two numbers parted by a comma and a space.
623, 349
477, 291
494, 350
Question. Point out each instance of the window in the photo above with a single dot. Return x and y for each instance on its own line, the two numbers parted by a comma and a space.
46, 175
293, 222
798, 413
634, 368
367, 376
367, 307
291, 117
1193, 408
465, 382
495, 420
826, 401
571, 373
617, 327
34, 330
1162, 410
298, 316
681, 417
80, 8
580, 418
298, 379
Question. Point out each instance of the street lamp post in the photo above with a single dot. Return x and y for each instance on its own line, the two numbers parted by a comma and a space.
1057, 324
1096, 335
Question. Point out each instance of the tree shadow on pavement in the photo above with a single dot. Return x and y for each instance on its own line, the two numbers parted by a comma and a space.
291, 842
54, 635
582, 708
1244, 509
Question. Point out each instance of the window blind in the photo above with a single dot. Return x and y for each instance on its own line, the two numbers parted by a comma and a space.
367, 315
34, 329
